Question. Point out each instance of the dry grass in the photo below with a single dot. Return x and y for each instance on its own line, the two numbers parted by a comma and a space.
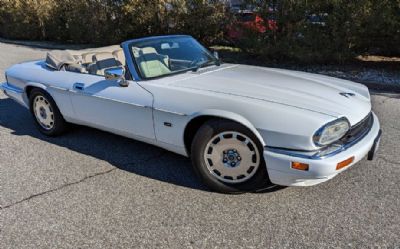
377, 58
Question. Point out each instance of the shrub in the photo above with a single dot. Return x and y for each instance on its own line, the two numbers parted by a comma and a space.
351, 27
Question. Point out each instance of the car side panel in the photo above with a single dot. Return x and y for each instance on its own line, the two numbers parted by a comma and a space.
265, 119
57, 83
107, 105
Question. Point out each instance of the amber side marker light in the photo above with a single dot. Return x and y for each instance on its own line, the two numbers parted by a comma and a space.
300, 166
345, 163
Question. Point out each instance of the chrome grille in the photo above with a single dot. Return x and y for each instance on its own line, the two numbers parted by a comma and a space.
359, 130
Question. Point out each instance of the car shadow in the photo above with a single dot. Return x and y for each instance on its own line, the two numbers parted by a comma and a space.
124, 153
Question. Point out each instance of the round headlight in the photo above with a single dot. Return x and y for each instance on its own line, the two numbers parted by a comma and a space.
331, 132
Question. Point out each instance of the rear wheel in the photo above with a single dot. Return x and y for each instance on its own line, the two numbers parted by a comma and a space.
46, 114
228, 157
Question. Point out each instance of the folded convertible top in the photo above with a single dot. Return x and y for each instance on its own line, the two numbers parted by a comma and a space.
58, 58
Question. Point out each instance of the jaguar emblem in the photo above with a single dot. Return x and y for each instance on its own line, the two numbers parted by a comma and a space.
347, 95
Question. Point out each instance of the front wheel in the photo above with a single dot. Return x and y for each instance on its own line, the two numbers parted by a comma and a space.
47, 116
228, 157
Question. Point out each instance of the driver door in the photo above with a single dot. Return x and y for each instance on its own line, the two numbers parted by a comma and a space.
105, 105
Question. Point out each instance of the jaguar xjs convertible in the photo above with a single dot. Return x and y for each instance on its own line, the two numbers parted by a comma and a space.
243, 127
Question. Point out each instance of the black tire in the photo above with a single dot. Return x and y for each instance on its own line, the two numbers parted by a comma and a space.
200, 143
59, 125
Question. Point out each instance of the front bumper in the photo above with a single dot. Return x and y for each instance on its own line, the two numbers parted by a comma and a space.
13, 92
320, 169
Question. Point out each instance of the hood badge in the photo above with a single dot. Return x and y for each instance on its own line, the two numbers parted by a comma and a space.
347, 95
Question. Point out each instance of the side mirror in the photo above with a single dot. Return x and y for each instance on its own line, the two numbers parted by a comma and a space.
118, 74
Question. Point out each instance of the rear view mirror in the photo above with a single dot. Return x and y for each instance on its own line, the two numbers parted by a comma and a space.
118, 74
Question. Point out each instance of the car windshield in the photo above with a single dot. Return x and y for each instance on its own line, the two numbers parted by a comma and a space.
163, 56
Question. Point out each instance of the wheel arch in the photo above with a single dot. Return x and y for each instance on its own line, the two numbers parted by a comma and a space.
199, 118
31, 85
28, 89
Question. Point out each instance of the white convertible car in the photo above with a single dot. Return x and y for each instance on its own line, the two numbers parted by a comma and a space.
243, 126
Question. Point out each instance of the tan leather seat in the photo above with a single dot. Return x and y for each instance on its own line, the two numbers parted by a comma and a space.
76, 68
150, 62
120, 56
103, 61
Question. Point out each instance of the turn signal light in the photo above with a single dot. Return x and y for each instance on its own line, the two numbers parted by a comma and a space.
300, 166
345, 163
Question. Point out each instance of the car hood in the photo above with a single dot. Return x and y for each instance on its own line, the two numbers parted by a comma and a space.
317, 93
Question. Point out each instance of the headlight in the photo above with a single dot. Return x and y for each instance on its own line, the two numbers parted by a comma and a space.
331, 132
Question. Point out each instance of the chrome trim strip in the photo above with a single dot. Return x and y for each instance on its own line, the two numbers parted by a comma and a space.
316, 155
119, 101
105, 98
172, 112
300, 154
127, 103
6, 87
58, 88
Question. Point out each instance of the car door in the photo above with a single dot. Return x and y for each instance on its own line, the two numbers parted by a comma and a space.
104, 104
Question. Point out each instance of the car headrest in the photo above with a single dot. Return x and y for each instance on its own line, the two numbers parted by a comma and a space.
119, 55
88, 57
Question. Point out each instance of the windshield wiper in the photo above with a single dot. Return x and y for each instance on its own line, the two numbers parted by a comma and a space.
204, 64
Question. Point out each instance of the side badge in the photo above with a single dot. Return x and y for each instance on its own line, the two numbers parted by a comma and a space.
167, 124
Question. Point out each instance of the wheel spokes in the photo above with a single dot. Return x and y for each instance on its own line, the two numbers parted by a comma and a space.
232, 157
43, 112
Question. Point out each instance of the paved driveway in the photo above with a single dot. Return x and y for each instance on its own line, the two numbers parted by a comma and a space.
91, 189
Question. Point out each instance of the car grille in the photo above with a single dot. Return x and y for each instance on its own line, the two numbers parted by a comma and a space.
359, 130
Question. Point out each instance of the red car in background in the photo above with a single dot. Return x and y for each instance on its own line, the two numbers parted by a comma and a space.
249, 20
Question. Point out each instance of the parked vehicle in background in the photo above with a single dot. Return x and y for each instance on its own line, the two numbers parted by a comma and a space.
248, 20
318, 19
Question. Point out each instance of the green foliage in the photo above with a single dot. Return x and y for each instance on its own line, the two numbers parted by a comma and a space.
346, 28
109, 21
350, 27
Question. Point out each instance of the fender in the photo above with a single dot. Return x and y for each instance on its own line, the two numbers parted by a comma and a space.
231, 116
61, 97
32, 84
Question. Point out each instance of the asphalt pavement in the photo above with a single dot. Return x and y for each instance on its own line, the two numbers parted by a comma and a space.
92, 189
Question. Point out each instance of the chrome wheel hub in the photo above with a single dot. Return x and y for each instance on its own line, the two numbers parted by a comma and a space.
43, 112
232, 157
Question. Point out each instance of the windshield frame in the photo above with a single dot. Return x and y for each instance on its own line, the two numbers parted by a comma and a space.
132, 43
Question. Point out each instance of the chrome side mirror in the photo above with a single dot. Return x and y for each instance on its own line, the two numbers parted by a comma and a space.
118, 74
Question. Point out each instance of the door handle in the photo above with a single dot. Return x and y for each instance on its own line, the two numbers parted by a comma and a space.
79, 86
